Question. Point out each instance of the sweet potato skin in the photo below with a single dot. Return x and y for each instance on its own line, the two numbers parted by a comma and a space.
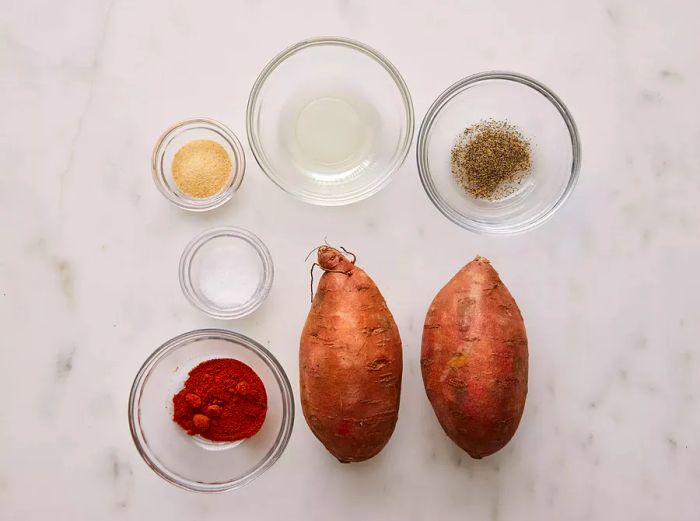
474, 360
350, 362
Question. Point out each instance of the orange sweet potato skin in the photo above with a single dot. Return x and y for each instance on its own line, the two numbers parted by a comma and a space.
474, 360
350, 362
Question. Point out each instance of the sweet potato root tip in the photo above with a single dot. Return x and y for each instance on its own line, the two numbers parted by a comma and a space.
331, 259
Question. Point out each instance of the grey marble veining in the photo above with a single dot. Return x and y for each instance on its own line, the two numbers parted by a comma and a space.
608, 288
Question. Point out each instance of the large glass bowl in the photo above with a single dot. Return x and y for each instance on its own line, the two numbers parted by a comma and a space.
330, 120
192, 462
540, 116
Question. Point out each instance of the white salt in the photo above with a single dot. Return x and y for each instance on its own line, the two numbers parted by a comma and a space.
227, 272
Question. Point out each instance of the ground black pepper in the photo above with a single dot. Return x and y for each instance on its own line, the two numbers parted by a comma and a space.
490, 159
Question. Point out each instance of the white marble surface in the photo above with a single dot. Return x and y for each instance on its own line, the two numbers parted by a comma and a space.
609, 287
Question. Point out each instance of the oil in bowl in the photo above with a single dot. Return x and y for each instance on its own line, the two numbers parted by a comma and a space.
331, 136
330, 120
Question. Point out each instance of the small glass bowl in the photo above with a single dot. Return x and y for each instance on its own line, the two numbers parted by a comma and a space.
235, 243
541, 117
179, 135
190, 462
329, 120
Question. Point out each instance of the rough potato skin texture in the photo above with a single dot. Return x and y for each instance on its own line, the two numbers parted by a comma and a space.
474, 360
350, 362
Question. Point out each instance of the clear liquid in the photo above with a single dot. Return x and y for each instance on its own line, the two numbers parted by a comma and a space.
331, 137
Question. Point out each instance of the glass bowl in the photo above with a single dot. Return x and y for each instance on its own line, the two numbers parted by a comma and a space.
329, 120
191, 462
182, 133
543, 120
243, 268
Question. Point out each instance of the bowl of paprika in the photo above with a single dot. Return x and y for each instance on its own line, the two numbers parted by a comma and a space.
211, 410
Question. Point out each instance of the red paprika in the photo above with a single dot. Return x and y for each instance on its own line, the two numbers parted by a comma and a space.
223, 400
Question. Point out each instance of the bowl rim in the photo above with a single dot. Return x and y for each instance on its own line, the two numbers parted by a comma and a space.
287, 409
422, 151
193, 247
237, 174
370, 52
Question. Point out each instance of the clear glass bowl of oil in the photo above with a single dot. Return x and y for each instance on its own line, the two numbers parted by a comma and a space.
330, 120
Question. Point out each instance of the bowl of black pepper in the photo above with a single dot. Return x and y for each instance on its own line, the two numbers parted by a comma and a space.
498, 153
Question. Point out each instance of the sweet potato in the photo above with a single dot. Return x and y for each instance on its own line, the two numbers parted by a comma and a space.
350, 362
474, 360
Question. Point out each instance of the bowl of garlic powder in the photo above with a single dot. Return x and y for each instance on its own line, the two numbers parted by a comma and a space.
198, 164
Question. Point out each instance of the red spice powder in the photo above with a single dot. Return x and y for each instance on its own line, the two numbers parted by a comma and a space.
223, 400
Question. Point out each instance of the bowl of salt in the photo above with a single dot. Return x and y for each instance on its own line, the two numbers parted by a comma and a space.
226, 272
